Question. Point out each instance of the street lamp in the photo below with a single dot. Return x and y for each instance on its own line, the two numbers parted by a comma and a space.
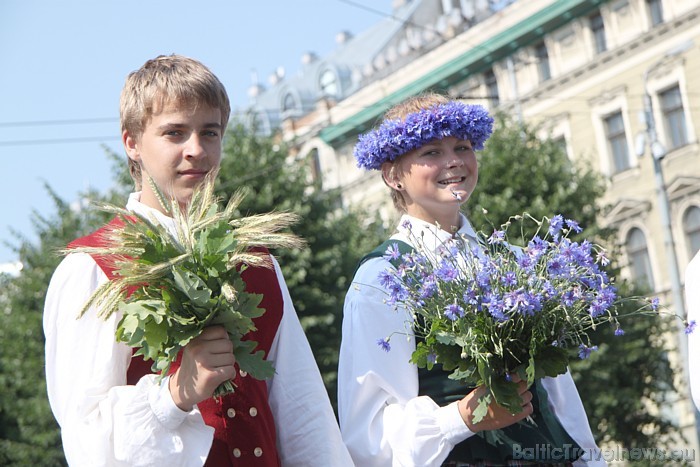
658, 152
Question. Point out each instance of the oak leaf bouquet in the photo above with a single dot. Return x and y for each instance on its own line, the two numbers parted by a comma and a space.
171, 283
486, 310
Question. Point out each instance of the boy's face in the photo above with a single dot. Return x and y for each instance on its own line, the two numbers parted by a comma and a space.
178, 147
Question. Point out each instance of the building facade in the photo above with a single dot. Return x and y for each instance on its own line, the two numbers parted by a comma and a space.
616, 81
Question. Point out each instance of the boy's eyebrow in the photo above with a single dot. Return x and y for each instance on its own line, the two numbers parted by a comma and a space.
169, 125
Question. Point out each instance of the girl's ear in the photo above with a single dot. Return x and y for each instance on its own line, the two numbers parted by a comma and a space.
390, 177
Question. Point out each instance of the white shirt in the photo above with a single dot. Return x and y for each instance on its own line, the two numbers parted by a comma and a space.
105, 422
382, 419
692, 301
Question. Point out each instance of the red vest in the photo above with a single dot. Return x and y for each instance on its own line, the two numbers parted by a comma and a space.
244, 426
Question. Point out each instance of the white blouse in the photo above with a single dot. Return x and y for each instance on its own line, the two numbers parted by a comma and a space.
382, 419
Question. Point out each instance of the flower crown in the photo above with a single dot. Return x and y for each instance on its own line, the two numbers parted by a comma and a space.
394, 138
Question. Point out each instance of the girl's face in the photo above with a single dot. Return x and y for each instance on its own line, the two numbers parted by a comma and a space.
434, 177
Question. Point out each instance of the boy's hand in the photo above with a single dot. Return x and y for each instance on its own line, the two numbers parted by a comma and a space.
497, 416
207, 361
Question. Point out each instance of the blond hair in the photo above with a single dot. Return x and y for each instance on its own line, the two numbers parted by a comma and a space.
164, 80
399, 112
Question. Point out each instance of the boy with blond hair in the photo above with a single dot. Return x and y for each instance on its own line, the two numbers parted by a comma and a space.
112, 410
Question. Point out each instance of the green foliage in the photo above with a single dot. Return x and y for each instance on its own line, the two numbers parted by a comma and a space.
626, 376
520, 173
29, 434
318, 276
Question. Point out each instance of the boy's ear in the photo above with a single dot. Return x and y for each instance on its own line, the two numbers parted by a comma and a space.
130, 145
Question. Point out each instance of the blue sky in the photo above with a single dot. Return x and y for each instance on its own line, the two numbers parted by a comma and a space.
64, 62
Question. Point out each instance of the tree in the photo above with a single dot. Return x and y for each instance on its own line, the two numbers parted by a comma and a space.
29, 434
319, 275
519, 172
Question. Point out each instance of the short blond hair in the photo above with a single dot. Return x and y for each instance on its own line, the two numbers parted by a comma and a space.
165, 80
399, 112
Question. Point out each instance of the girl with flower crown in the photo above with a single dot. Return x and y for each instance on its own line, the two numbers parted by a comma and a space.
392, 413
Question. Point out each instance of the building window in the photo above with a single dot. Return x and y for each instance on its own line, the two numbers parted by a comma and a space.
598, 31
328, 84
639, 263
691, 228
542, 61
289, 103
491, 88
674, 117
315, 162
656, 12
617, 142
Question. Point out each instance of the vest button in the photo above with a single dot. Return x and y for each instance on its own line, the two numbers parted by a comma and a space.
231, 413
236, 452
257, 452
243, 373
253, 411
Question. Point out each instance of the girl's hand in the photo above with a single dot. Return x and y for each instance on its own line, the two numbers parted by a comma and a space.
497, 416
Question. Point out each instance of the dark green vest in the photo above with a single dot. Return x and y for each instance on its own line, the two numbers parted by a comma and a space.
494, 447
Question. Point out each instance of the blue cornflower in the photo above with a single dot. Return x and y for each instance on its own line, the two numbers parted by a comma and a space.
619, 332
573, 225
555, 225
471, 296
690, 327
655, 303
447, 272
556, 267
525, 262
392, 252
496, 307
498, 236
388, 278
509, 279
598, 306
584, 351
454, 312
602, 258
536, 247
384, 344
428, 287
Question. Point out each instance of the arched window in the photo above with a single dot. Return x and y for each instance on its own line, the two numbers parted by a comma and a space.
289, 103
691, 228
315, 162
639, 263
328, 84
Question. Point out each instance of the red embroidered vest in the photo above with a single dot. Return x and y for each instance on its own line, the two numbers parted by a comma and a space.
244, 426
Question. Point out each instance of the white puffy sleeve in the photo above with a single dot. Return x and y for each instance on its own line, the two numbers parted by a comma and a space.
382, 419
307, 430
565, 402
103, 421
692, 297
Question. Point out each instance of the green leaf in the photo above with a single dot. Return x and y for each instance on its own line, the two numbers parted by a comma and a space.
251, 362
194, 287
482, 408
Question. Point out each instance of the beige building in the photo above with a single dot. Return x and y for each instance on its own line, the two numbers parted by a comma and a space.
615, 80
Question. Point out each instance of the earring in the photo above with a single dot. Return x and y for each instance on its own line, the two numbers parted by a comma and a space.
398, 186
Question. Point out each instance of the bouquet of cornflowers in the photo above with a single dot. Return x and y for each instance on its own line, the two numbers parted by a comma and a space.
486, 310
171, 285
